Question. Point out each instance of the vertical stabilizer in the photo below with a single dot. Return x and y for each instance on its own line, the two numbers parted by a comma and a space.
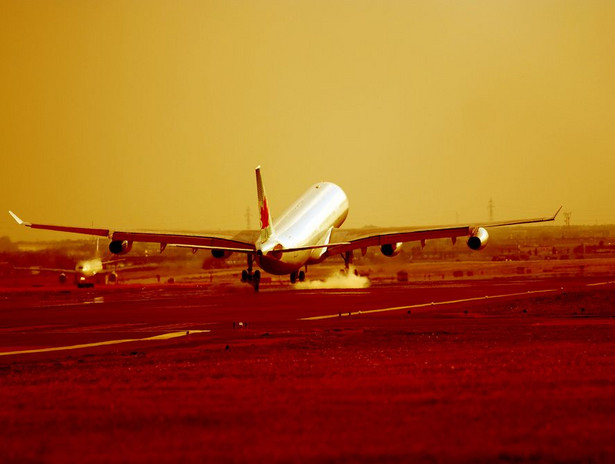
263, 208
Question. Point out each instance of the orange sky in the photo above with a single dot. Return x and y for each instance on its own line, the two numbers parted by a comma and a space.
153, 115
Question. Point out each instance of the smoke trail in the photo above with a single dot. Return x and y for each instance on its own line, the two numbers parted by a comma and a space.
337, 280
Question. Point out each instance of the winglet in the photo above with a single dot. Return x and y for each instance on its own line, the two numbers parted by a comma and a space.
556, 213
19, 221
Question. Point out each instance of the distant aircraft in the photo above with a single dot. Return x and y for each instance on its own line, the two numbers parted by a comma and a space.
87, 272
306, 233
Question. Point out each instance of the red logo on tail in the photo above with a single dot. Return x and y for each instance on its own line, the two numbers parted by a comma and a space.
264, 214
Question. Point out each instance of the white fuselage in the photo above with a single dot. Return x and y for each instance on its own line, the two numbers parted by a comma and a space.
307, 222
86, 270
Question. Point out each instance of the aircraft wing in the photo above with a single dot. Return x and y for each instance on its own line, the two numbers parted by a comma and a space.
108, 269
44, 269
358, 239
209, 242
244, 241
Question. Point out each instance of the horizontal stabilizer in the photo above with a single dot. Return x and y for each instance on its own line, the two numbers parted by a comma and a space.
206, 247
311, 247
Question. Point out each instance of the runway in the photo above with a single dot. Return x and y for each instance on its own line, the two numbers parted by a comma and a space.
492, 370
86, 316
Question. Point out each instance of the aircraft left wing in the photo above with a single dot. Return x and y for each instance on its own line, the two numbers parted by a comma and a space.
357, 239
242, 242
131, 267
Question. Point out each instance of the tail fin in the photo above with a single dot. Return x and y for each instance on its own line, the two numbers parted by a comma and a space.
263, 207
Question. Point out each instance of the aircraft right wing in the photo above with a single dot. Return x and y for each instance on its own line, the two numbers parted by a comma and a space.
358, 239
241, 242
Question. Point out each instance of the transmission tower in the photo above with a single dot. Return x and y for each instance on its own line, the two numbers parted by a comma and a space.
248, 221
567, 218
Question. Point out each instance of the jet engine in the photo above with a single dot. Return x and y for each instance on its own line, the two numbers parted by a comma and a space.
221, 254
120, 247
391, 249
479, 238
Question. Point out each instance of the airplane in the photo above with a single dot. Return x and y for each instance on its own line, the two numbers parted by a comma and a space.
87, 272
307, 232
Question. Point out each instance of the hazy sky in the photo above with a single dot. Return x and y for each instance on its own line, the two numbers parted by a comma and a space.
153, 115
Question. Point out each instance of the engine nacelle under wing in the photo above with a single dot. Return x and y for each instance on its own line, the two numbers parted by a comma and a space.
391, 249
479, 238
120, 247
221, 254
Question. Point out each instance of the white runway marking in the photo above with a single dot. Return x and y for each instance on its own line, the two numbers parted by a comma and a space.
425, 305
601, 283
166, 336
440, 303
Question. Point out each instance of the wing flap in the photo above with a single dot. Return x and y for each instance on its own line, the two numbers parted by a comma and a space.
388, 238
222, 248
75, 230
187, 240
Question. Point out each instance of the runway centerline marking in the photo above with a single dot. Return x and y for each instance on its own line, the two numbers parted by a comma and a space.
166, 336
425, 305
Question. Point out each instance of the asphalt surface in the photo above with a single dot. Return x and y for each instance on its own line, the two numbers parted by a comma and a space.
516, 369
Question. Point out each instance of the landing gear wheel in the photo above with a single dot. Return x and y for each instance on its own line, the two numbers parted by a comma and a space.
301, 276
293, 277
256, 279
246, 274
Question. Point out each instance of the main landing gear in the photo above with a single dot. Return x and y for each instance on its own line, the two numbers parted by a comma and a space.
347, 264
253, 278
297, 275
